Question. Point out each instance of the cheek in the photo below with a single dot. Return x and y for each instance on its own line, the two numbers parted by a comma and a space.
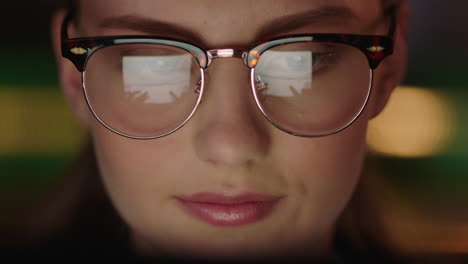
134, 172
339, 154
325, 170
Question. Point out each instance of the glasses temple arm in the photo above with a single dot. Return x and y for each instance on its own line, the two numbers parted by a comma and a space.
392, 12
70, 15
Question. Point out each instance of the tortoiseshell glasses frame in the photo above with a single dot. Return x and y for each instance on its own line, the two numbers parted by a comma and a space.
375, 49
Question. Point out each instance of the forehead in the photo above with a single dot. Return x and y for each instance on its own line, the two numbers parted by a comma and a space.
225, 21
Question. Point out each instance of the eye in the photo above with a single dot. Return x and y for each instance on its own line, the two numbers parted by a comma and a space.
157, 59
158, 64
298, 62
324, 59
302, 61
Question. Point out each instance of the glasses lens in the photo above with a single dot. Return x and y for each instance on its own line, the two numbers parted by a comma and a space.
142, 90
312, 88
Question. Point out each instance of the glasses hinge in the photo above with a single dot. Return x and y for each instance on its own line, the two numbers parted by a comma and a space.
78, 50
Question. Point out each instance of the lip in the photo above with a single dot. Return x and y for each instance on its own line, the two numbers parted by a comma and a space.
219, 209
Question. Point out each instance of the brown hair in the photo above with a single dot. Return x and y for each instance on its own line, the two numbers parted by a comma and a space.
77, 208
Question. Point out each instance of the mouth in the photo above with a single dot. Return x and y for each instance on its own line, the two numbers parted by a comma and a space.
223, 210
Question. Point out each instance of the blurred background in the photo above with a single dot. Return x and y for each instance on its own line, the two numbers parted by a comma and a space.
418, 148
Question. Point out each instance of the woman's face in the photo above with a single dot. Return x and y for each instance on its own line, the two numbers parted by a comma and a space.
229, 184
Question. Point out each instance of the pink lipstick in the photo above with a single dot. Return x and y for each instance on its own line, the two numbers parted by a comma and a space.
229, 210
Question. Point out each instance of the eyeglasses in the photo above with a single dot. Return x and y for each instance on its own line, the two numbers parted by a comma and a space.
146, 87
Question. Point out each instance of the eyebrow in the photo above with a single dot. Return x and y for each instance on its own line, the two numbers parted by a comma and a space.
149, 26
324, 14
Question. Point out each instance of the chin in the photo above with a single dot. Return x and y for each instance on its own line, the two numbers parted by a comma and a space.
229, 250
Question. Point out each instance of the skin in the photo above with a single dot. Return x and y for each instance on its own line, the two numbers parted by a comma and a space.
228, 146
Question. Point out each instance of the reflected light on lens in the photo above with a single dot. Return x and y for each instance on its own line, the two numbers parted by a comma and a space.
417, 122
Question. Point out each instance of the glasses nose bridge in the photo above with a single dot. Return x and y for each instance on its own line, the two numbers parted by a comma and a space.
227, 53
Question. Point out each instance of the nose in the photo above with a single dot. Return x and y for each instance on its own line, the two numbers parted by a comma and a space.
230, 130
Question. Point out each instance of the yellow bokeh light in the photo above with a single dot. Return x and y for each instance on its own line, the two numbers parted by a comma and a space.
417, 122
35, 121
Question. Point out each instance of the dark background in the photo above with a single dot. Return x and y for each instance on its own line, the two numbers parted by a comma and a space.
418, 147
